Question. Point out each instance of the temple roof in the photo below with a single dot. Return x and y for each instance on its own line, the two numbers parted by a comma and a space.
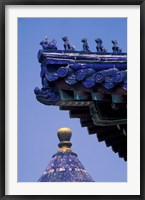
65, 165
92, 86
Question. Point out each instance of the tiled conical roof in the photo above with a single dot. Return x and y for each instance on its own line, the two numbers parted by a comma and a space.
65, 165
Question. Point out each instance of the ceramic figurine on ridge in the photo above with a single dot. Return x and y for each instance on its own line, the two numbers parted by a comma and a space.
48, 45
115, 47
100, 48
85, 45
67, 44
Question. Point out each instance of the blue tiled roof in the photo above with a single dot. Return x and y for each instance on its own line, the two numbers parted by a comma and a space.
92, 86
65, 167
93, 72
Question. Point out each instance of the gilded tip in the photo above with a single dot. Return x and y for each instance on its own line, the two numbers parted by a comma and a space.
64, 134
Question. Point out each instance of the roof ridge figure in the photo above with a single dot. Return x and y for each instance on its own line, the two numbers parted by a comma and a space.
51, 46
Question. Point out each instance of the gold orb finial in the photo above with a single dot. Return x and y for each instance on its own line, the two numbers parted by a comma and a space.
64, 135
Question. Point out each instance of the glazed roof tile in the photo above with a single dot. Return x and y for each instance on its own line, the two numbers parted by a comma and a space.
65, 165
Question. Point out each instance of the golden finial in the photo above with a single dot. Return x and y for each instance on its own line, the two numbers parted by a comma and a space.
64, 135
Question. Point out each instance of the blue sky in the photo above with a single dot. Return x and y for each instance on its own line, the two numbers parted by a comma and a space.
38, 123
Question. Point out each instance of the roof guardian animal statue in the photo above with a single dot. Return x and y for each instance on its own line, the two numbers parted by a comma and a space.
67, 44
115, 47
48, 45
100, 48
85, 45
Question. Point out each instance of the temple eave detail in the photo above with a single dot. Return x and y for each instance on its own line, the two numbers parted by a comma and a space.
93, 87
